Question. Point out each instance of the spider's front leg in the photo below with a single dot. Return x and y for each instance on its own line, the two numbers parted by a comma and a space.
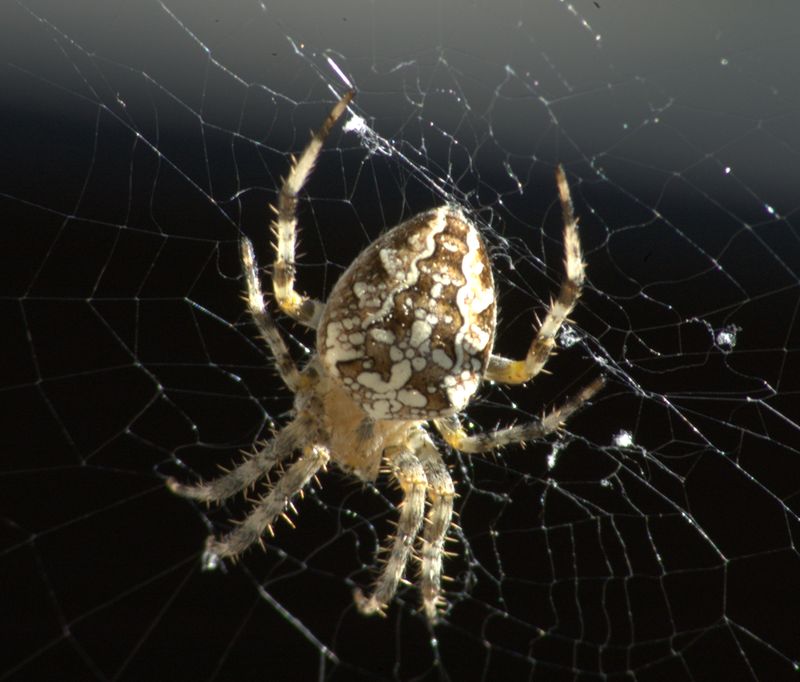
508, 371
422, 474
303, 309
410, 474
272, 505
256, 465
441, 493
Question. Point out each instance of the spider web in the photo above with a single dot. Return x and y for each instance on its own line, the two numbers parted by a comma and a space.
655, 540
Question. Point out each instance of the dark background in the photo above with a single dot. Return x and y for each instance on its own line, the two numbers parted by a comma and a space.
139, 141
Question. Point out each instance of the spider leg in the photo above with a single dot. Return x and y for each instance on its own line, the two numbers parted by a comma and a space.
410, 474
456, 437
272, 505
440, 494
305, 310
263, 320
255, 466
509, 371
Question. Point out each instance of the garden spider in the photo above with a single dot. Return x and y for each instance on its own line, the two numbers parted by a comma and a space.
404, 340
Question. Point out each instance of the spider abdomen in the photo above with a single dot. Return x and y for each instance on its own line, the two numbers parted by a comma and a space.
409, 327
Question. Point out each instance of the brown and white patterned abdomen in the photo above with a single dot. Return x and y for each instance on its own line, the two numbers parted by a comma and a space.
409, 327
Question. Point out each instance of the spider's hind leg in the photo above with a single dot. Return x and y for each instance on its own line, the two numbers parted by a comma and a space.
305, 310
508, 371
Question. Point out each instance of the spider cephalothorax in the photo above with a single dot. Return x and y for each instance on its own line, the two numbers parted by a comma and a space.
403, 341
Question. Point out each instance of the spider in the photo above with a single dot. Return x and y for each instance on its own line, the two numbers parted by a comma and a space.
403, 342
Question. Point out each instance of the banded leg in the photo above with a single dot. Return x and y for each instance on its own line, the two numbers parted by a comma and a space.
437, 524
263, 320
303, 309
457, 438
509, 371
242, 477
271, 506
410, 474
